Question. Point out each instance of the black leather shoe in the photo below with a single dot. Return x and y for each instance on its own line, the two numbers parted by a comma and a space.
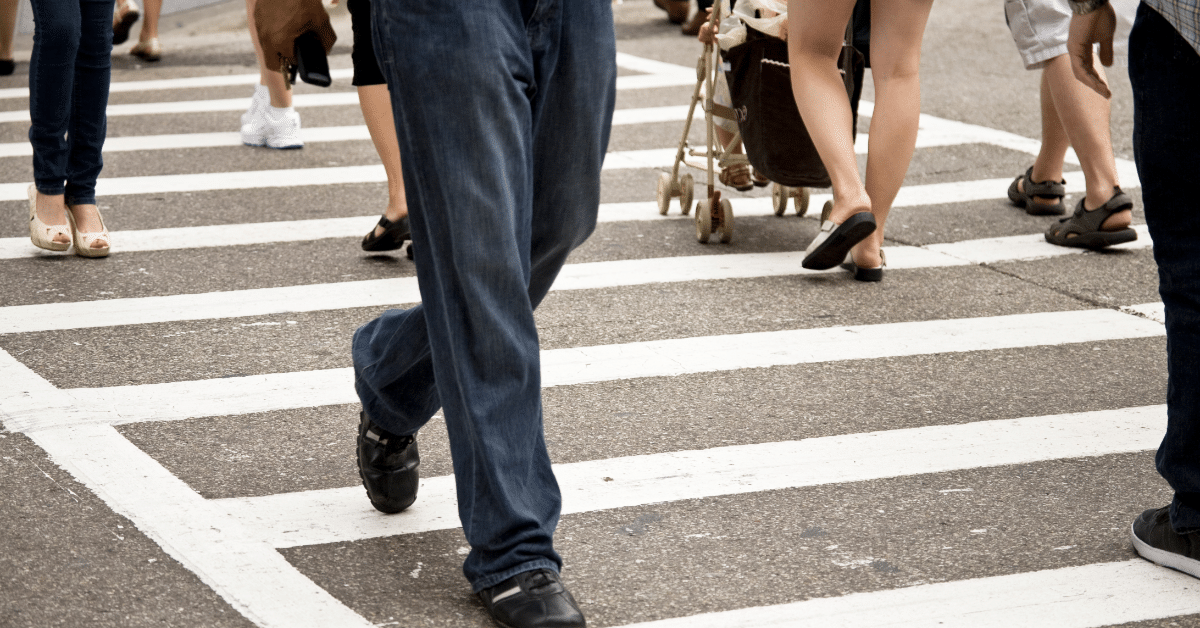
393, 236
387, 465
532, 599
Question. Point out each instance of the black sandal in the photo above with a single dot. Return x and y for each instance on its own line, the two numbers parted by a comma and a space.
1082, 229
1038, 189
393, 236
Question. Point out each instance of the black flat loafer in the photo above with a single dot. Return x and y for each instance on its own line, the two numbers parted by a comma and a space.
532, 599
393, 236
834, 241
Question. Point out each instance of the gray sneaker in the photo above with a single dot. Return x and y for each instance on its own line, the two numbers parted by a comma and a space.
1157, 542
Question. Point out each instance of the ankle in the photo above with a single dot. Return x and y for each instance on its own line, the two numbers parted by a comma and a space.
1097, 197
846, 207
395, 212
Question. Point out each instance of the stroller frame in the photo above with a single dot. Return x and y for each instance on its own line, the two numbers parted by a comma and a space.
713, 213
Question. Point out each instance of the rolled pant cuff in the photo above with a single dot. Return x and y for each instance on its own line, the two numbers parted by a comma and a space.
50, 189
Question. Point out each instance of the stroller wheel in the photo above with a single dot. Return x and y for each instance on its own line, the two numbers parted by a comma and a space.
726, 228
779, 198
687, 186
703, 221
663, 194
801, 201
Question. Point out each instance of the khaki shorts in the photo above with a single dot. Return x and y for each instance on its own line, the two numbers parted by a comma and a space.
1039, 28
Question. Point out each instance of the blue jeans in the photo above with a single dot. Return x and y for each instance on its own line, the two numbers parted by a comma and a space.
69, 73
1165, 73
503, 109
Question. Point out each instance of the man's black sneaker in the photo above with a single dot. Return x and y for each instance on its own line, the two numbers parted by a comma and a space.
387, 465
532, 599
1157, 542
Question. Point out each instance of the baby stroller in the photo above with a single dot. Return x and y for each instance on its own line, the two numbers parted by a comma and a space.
764, 110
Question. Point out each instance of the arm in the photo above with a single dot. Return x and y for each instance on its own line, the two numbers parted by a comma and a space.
1094, 22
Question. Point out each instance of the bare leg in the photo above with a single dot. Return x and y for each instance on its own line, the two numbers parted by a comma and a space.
1049, 163
8, 25
897, 28
281, 96
151, 9
814, 42
1084, 116
376, 106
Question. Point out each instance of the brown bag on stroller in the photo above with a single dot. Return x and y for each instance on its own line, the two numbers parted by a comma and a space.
760, 85
292, 34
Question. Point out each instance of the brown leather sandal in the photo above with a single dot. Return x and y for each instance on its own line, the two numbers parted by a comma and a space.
1034, 190
736, 177
1083, 228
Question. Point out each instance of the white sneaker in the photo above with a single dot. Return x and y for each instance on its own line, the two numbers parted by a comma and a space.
252, 123
282, 128
273, 128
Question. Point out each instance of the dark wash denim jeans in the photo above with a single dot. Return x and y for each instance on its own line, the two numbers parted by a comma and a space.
503, 110
69, 75
1165, 73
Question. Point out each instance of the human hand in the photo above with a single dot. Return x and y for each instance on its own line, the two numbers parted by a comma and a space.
1086, 30
706, 35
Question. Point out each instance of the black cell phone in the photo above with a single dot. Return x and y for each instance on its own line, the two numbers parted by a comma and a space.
311, 64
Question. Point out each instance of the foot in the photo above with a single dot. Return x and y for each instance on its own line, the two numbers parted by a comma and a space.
148, 49
532, 599
90, 237
677, 10
52, 211
1039, 198
1156, 541
1115, 222
387, 465
393, 216
124, 15
1104, 226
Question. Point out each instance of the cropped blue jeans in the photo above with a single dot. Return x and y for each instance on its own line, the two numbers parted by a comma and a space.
503, 110
69, 73
1165, 73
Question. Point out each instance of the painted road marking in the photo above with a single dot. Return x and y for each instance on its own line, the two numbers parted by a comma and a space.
249, 574
1088, 596
173, 401
344, 514
398, 291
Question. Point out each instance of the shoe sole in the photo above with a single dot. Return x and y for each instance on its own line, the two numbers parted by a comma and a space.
121, 30
1164, 558
833, 250
1098, 240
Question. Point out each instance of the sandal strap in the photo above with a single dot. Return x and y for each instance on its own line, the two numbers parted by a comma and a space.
385, 223
1045, 189
1088, 221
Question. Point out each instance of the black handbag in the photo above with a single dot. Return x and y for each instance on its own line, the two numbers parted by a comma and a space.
760, 85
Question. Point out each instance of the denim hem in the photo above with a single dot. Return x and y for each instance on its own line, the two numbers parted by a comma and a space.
80, 200
491, 581
51, 189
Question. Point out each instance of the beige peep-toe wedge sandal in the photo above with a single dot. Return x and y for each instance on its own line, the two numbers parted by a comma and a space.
83, 241
43, 234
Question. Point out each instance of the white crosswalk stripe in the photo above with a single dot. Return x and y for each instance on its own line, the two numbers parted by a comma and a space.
232, 543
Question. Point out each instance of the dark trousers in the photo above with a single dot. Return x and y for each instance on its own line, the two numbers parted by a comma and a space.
69, 74
503, 111
1165, 73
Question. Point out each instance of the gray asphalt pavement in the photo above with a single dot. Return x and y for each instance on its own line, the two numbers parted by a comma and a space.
750, 444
